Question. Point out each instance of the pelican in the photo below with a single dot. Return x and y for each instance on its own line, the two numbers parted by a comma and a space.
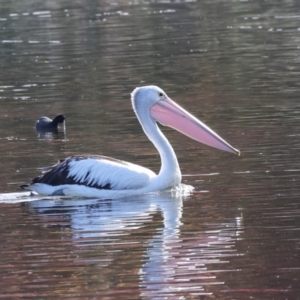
106, 177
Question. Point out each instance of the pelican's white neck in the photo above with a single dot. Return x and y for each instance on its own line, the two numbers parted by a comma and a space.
170, 173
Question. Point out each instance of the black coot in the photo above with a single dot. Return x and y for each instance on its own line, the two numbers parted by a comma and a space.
46, 124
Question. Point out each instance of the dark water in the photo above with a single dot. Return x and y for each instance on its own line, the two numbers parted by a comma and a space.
235, 65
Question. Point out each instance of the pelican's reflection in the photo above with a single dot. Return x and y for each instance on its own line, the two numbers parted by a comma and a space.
169, 266
96, 218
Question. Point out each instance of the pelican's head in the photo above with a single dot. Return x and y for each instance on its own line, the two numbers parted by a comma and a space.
152, 100
147, 96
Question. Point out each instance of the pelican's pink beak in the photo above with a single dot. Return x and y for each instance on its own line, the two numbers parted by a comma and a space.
168, 113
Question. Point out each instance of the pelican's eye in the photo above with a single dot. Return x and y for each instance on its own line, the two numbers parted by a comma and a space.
161, 95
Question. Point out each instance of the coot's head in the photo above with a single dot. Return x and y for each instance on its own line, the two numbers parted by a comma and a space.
59, 119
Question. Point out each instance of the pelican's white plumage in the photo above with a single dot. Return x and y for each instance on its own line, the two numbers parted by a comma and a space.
103, 171
104, 177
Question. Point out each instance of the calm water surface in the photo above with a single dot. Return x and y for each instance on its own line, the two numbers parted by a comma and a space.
235, 65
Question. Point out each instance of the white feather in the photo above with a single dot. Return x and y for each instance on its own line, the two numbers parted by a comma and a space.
120, 175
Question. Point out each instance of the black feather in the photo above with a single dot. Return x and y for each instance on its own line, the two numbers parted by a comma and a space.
59, 173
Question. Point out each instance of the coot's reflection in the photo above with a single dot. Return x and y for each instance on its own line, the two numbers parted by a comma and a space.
51, 135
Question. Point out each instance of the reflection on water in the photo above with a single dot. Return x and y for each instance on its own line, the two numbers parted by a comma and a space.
235, 65
51, 135
55, 134
166, 268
